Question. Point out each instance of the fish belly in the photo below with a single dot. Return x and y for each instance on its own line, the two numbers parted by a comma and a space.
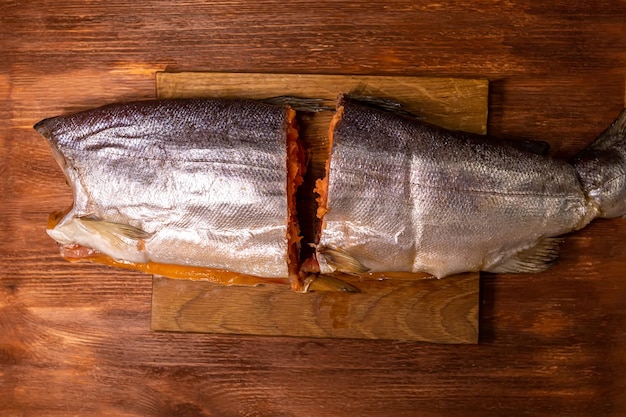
406, 196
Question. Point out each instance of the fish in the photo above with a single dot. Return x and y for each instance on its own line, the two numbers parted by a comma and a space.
208, 189
402, 195
200, 188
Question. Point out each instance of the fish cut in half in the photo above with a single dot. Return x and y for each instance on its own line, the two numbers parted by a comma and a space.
402, 195
185, 188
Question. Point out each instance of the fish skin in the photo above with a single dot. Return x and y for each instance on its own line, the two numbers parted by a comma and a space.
602, 169
205, 179
407, 196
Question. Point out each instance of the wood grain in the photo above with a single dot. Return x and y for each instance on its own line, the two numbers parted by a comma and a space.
440, 311
454, 103
443, 311
75, 339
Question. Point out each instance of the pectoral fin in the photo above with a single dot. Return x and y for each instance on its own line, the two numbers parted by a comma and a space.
532, 260
114, 230
118, 241
121, 241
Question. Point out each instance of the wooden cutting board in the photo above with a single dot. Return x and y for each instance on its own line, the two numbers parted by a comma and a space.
412, 307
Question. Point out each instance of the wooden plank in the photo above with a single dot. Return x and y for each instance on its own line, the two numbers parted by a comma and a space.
419, 309
432, 310
454, 103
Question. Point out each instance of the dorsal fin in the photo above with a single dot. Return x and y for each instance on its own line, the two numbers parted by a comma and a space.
304, 104
538, 147
379, 103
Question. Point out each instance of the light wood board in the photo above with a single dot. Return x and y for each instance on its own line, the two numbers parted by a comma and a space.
414, 307
454, 103
443, 311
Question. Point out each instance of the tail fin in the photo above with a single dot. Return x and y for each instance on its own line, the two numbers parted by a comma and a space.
602, 169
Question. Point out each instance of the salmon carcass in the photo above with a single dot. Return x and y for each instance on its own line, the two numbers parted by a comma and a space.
402, 195
191, 183
185, 187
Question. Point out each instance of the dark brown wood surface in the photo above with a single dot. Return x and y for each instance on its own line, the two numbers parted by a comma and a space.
75, 339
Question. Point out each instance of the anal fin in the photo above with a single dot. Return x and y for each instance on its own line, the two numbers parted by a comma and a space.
328, 283
341, 261
532, 260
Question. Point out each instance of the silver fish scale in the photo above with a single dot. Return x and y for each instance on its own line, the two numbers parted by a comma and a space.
406, 196
206, 177
602, 169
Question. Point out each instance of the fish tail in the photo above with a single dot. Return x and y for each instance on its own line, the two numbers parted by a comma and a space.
601, 168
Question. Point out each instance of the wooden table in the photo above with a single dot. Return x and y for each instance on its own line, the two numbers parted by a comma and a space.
76, 339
